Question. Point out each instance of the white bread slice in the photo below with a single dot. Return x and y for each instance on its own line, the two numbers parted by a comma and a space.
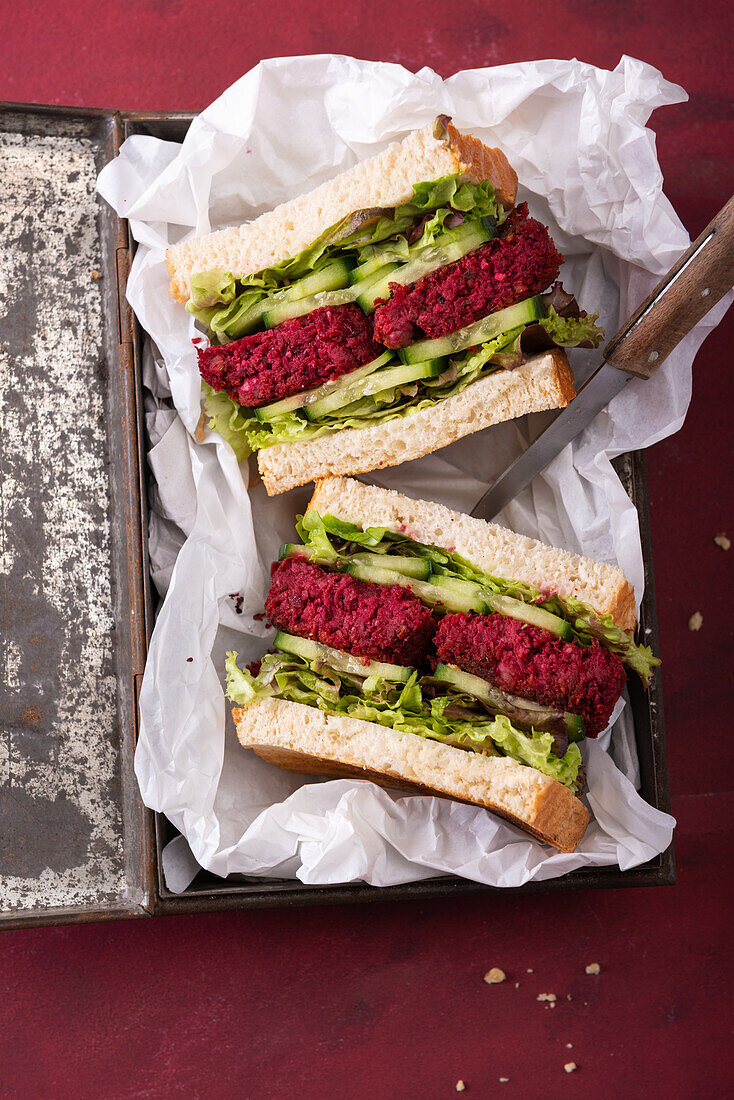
384, 180
542, 382
304, 739
494, 549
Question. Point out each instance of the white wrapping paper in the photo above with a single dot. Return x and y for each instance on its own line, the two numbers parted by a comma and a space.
577, 138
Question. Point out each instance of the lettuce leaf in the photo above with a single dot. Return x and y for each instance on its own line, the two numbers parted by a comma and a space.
571, 332
402, 707
210, 288
328, 539
353, 235
229, 419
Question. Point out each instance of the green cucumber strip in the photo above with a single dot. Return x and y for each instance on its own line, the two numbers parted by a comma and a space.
334, 276
522, 711
471, 234
420, 568
286, 311
441, 253
307, 397
529, 613
487, 328
377, 382
337, 659
575, 726
292, 550
427, 591
240, 320
362, 279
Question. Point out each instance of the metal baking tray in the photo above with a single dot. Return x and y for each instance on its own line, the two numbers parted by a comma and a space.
130, 882
76, 842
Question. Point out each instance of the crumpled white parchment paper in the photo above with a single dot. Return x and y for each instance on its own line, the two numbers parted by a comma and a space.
577, 137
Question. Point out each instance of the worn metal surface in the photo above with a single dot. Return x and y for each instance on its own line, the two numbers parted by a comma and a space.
67, 656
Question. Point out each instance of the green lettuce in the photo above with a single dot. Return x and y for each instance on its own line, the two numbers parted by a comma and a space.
402, 707
211, 288
469, 366
354, 235
569, 332
329, 540
229, 419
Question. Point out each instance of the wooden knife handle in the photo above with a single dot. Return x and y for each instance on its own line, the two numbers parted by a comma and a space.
691, 288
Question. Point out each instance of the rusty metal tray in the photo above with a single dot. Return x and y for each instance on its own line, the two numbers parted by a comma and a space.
75, 840
77, 607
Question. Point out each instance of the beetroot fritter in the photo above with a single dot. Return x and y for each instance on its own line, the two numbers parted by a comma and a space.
534, 664
382, 622
516, 265
294, 356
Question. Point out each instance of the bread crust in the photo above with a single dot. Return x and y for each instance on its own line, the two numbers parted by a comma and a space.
496, 550
384, 180
303, 739
542, 382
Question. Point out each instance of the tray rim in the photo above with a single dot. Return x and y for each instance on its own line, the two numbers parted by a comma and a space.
137, 823
223, 895
220, 895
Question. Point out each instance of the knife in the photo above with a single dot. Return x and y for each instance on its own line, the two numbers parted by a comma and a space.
700, 278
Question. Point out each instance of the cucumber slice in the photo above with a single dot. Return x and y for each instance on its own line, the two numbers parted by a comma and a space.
338, 659
521, 711
333, 276
470, 234
575, 726
370, 267
307, 397
286, 311
377, 382
292, 550
445, 250
363, 291
529, 613
236, 321
457, 590
523, 313
427, 591
467, 237
420, 568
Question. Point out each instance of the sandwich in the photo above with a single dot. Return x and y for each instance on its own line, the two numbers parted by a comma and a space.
423, 649
396, 308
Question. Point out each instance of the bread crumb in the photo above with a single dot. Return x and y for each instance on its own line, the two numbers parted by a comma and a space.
460, 1086
696, 621
517, 985
529, 972
593, 968
570, 1067
96, 274
546, 997
504, 1078
722, 541
569, 1046
494, 976
568, 996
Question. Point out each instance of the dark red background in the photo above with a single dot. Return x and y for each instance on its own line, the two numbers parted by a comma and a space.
388, 1001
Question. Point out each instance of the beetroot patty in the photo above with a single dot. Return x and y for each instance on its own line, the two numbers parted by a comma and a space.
535, 664
382, 622
293, 356
514, 266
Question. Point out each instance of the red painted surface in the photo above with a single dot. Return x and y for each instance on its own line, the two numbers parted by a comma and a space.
388, 1001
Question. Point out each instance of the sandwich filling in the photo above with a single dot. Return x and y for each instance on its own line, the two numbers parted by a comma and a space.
388, 312
376, 626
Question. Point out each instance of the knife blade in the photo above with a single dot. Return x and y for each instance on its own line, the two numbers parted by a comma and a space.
699, 279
